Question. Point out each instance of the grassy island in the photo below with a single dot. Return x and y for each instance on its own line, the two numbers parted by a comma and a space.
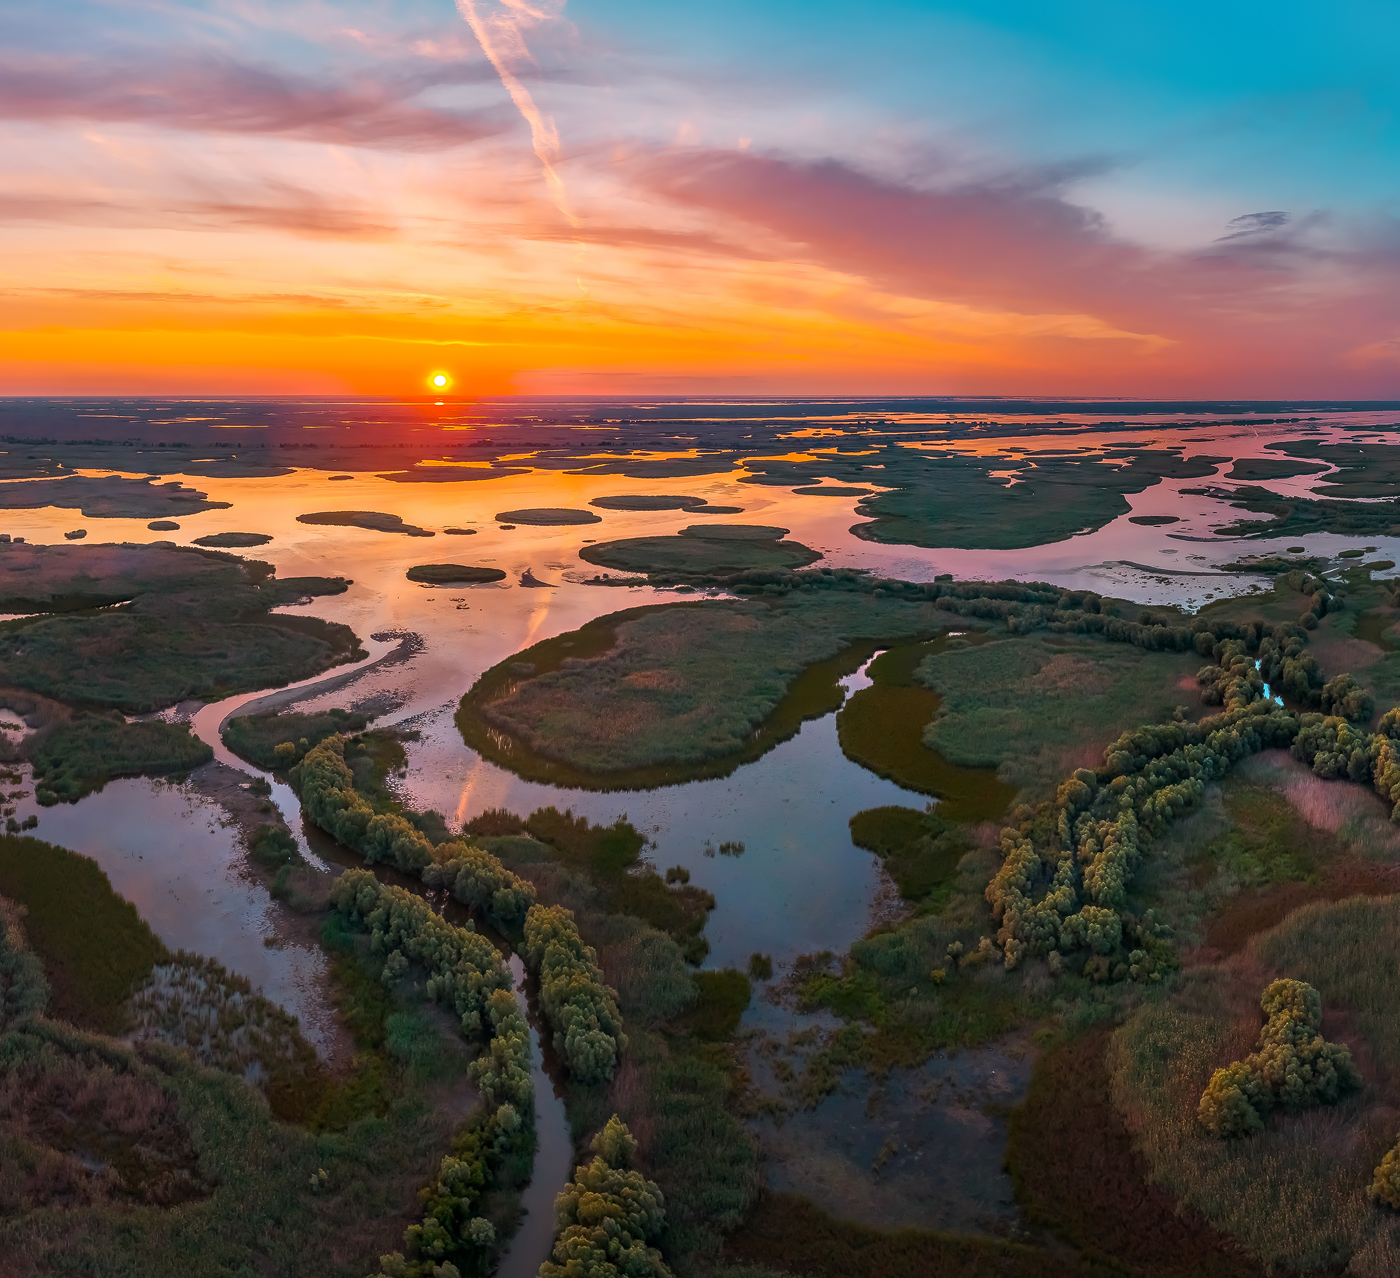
194, 623
370, 519
698, 554
453, 574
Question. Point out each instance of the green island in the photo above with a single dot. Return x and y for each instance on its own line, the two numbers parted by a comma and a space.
372, 520
112, 497
986, 502
702, 551
453, 574
232, 540
548, 517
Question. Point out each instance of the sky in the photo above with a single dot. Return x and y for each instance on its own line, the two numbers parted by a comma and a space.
612, 197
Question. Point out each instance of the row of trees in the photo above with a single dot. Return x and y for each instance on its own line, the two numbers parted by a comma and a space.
608, 1216
1293, 1067
581, 1007
475, 877
465, 971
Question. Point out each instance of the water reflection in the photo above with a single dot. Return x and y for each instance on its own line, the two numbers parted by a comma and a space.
177, 858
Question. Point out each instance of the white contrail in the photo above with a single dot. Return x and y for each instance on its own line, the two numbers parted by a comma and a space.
502, 39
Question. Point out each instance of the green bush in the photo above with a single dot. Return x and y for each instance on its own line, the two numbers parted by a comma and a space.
608, 1215
1294, 1066
1385, 1185
580, 1006
271, 740
475, 877
73, 758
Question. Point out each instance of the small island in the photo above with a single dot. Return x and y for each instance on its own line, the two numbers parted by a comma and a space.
453, 575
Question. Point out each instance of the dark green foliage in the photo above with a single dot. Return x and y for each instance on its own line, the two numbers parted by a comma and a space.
197, 626
581, 1008
608, 855
331, 799
370, 519
24, 989
920, 850
761, 967
256, 737
453, 574
697, 556
609, 1214
94, 946
74, 757
723, 997
1294, 1067
272, 846
1298, 516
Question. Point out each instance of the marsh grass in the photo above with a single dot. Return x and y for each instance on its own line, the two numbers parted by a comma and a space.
920, 850
660, 695
1035, 708
696, 556
94, 946
196, 622
80, 755
1294, 1195
789, 1233
884, 728
255, 737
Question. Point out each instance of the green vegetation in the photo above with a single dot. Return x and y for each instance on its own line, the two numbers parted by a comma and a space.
75, 756
920, 849
882, 728
1035, 707
696, 556
94, 946
609, 856
372, 520
110, 497
608, 1215
475, 877
263, 739
1306, 1206
1260, 470
644, 502
580, 1006
163, 525
1298, 516
942, 499
548, 517
233, 540
656, 695
198, 625
1293, 1066
453, 574
1362, 470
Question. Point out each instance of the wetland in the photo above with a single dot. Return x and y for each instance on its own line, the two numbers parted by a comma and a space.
878, 885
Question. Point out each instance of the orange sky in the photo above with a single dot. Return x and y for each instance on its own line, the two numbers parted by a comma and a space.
285, 207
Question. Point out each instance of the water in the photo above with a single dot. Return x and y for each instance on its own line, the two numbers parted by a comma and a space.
554, 1156
800, 886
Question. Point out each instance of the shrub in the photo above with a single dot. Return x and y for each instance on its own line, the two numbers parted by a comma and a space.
1385, 1186
581, 1008
474, 876
607, 1215
1294, 1066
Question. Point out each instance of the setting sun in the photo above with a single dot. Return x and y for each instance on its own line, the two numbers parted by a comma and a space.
440, 381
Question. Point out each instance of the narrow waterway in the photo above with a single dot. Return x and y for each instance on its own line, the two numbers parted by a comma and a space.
554, 1156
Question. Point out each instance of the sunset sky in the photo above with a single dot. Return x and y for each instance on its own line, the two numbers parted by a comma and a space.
618, 197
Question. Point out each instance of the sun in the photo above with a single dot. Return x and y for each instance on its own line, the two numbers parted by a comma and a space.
440, 381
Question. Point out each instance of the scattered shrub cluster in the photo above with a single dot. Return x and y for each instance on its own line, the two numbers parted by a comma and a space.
464, 970
1334, 748
1066, 866
463, 967
1294, 1066
73, 758
580, 1006
1385, 1185
475, 877
608, 1215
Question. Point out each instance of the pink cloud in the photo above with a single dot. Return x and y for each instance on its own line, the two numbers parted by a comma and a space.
210, 95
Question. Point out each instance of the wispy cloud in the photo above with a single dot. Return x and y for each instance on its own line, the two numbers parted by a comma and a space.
209, 94
500, 29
